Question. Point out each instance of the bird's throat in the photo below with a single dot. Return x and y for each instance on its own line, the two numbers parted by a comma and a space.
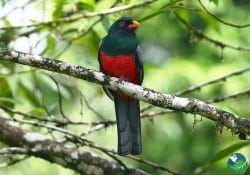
114, 44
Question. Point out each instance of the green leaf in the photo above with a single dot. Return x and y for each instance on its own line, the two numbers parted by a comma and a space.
38, 111
51, 44
210, 21
220, 155
106, 23
91, 41
70, 31
86, 5
29, 93
227, 151
5, 64
58, 9
214, 1
6, 36
2, 44
10, 100
247, 171
6, 93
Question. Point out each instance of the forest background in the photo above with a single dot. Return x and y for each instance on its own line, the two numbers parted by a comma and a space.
191, 48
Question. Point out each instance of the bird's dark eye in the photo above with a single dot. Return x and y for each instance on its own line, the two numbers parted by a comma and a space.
121, 23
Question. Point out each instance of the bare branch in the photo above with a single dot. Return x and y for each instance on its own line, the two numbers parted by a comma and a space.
91, 108
146, 162
222, 21
46, 119
59, 97
86, 15
34, 144
201, 35
77, 139
235, 95
88, 143
79, 34
207, 83
152, 164
93, 126
222, 78
189, 105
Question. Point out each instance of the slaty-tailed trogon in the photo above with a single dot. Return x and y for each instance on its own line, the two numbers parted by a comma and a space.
119, 56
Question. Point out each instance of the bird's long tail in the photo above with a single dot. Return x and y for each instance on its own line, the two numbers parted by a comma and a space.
128, 126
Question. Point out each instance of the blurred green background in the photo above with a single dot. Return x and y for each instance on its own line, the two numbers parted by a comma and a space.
174, 60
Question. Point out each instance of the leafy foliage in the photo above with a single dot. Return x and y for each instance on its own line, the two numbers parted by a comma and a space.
176, 57
6, 96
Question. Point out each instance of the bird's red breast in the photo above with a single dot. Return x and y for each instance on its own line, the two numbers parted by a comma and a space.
120, 66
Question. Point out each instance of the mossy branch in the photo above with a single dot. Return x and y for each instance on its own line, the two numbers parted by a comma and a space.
237, 124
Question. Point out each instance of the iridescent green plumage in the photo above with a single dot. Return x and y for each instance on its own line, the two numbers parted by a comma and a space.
119, 56
120, 40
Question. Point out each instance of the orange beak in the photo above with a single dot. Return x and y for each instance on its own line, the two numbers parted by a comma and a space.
134, 25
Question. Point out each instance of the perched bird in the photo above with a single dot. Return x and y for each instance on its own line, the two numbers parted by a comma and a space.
119, 56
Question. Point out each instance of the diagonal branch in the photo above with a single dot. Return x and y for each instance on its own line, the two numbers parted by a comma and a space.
235, 95
79, 140
201, 35
222, 78
188, 105
38, 145
221, 20
84, 15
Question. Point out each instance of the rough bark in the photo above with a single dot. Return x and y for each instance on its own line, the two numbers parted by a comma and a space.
188, 105
38, 145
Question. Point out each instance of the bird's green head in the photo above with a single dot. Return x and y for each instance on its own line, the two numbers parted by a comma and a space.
124, 25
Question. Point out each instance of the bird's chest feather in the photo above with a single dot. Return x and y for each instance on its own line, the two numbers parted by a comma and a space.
120, 66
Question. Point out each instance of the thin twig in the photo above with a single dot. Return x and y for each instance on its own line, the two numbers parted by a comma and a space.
135, 158
86, 142
91, 108
214, 100
201, 35
77, 36
216, 80
222, 21
153, 164
188, 105
81, 16
47, 126
157, 113
226, 97
35, 144
161, 10
59, 96
46, 119
205, 84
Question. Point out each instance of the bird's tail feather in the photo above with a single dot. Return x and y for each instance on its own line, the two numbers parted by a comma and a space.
135, 123
128, 126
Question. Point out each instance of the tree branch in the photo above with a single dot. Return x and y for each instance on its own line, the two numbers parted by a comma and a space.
234, 95
201, 35
188, 105
38, 145
216, 80
78, 140
85, 15
220, 20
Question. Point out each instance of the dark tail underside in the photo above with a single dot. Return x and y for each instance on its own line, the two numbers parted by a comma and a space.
128, 126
